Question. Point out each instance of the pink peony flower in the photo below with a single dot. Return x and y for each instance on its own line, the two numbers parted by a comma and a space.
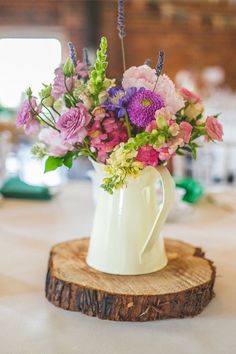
26, 117
56, 145
148, 156
214, 128
72, 124
189, 96
139, 76
185, 131
166, 89
144, 76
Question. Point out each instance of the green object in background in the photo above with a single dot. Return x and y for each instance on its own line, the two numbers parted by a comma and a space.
194, 189
15, 188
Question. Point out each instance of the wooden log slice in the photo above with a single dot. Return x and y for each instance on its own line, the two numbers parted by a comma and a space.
183, 288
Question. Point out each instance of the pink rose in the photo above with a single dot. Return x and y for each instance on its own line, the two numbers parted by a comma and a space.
185, 131
26, 117
214, 129
189, 96
56, 145
72, 124
148, 156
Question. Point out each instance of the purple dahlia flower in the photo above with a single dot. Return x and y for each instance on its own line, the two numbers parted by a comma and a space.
118, 100
142, 107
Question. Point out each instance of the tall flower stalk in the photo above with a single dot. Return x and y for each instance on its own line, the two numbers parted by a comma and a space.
121, 28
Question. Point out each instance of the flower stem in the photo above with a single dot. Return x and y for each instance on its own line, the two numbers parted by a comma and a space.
69, 92
155, 84
54, 109
123, 52
127, 125
42, 119
53, 120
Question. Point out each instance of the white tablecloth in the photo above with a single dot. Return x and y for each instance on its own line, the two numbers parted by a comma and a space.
29, 324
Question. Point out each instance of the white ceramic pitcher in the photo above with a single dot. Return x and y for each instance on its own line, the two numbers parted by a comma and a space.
126, 236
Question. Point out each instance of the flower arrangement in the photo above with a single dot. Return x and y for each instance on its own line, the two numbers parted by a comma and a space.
143, 122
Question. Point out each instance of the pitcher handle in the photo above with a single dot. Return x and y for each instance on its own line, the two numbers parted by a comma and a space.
168, 187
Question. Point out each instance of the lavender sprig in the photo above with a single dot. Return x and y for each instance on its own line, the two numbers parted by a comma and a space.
72, 53
160, 62
121, 27
121, 19
159, 66
147, 62
86, 60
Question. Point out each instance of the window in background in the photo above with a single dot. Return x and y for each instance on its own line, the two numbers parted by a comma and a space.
26, 62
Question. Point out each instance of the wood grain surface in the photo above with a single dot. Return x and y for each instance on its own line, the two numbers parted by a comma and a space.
183, 288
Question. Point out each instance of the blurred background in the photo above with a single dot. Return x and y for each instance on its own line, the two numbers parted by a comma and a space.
199, 39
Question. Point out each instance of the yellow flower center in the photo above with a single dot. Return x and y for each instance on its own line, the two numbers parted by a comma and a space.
146, 102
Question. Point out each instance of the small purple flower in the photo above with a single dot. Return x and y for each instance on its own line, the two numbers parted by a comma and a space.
160, 63
72, 124
142, 107
73, 54
86, 60
26, 117
118, 100
121, 18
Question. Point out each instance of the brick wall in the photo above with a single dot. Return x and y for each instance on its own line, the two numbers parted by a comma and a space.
193, 33
204, 35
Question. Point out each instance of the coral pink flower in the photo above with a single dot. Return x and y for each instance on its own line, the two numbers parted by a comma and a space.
139, 76
165, 153
99, 113
151, 126
72, 124
214, 128
106, 134
56, 145
166, 113
166, 89
26, 117
185, 131
147, 155
189, 96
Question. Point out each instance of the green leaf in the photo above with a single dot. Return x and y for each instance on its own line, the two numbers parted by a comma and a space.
68, 161
52, 163
68, 100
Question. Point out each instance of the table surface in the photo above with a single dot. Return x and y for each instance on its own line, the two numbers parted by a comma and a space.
31, 325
